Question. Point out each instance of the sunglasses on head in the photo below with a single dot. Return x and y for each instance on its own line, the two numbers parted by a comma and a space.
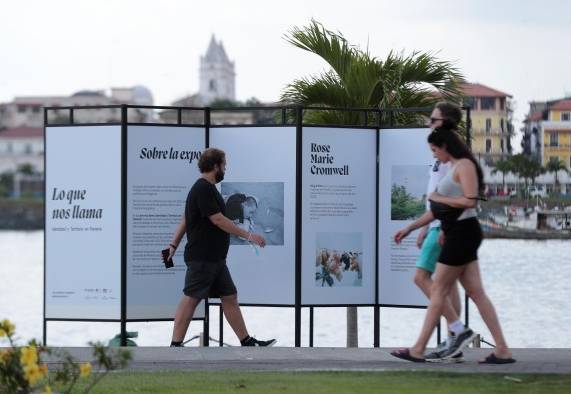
433, 120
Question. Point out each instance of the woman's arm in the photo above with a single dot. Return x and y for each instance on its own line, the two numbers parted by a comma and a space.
426, 218
465, 174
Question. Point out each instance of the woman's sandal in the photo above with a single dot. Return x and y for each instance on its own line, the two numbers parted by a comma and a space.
404, 354
493, 359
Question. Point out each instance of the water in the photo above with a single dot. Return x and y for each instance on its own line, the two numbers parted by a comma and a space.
528, 281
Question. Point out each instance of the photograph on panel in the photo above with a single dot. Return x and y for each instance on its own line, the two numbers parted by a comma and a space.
338, 260
257, 207
408, 191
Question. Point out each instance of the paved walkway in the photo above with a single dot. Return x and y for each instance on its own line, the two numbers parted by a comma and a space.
328, 359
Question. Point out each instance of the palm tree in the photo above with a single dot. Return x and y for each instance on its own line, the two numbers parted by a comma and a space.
503, 167
555, 165
358, 80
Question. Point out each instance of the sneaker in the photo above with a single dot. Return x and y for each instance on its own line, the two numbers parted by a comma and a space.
459, 342
437, 357
177, 344
254, 342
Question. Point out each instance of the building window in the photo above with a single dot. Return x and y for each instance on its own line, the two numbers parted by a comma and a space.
566, 116
36, 109
487, 103
488, 145
212, 85
502, 124
488, 125
554, 139
502, 144
502, 104
22, 109
28, 149
470, 102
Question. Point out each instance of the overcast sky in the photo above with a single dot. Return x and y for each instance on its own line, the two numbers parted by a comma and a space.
57, 47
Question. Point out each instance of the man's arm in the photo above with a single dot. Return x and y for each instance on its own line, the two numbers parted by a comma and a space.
225, 224
177, 236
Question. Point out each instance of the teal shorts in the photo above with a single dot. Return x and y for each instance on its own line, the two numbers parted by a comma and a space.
430, 251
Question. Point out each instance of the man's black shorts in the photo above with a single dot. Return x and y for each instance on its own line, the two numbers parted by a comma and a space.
208, 279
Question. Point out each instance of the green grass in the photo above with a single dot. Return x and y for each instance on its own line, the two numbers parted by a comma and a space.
329, 383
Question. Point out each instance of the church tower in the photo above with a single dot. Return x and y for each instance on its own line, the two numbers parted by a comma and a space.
217, 76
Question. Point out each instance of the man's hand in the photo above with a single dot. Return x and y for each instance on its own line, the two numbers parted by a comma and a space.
421, 236
172, 251
258, 240
441, 238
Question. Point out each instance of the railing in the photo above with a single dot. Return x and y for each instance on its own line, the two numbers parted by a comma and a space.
492, 131
558, 146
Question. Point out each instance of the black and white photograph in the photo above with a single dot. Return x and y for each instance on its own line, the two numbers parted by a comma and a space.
257, 207
408, 191
339, 260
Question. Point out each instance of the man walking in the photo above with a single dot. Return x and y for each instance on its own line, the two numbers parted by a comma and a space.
208, 233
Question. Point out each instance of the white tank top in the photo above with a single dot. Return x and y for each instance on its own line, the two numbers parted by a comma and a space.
450, 188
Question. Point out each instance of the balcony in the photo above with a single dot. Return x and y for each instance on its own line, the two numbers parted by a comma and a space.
492, 131
559, 146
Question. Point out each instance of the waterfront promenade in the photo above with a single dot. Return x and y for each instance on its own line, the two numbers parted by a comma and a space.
536, 361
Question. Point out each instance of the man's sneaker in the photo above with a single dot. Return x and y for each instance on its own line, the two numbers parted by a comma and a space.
251, 341
459, 342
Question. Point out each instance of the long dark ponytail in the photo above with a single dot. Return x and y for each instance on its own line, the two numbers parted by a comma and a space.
448, 138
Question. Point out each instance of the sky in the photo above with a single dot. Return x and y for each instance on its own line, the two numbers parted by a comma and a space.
58, 47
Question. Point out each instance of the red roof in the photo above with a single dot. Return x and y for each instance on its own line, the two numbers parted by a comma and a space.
535, 117
22, 132
479, 90
563, 105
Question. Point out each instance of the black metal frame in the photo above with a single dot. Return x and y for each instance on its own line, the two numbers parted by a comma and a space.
299, 124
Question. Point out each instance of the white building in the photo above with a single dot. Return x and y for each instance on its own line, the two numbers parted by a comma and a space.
28, 111
22, 145
217, 75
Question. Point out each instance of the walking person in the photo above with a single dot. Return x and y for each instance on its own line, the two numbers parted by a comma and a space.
449, 115
454, 204
208, 234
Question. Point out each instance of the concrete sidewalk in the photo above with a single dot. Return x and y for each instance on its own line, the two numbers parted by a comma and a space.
328, 359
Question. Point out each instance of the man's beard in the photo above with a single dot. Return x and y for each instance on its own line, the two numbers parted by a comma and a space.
219, 176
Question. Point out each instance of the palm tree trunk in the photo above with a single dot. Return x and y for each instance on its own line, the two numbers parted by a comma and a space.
352, 327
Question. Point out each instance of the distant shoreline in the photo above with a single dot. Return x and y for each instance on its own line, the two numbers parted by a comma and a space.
22, 214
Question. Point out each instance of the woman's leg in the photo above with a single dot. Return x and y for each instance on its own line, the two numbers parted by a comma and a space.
472, 282
423, 280
445, 277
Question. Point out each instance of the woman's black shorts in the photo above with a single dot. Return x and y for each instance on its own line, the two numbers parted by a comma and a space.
461, 243
208, 279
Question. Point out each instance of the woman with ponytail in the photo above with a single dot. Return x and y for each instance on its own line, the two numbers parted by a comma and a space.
454, 203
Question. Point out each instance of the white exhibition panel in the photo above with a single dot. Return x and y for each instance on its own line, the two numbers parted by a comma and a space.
161, 169
83, 222
405, 162
338, 216
259, 190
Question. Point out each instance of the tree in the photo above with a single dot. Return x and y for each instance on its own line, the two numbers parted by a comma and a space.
26, 169
555, 165
358, 80
503, 167
403, 205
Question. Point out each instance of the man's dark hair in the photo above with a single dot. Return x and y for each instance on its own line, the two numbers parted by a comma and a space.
451, 113
209, 158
